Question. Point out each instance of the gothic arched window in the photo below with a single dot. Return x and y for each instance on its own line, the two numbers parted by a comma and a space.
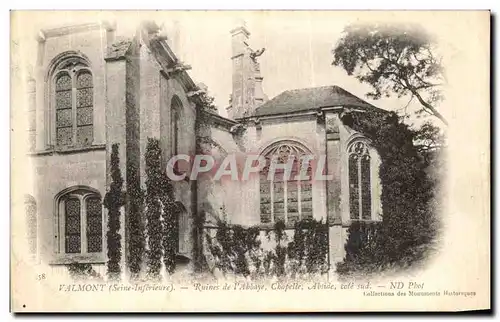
359, 181
31, 223
176, 108
282, 197
80, 222
74, 100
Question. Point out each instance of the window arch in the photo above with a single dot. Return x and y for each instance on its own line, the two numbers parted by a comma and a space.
175, 117
73, 101
286, 198
80, 221
30, 208
360, 196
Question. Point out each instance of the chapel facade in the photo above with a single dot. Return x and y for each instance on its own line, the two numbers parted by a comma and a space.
90, 90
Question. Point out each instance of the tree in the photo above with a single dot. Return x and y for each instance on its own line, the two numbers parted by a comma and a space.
410, 223
114, 201
393, 59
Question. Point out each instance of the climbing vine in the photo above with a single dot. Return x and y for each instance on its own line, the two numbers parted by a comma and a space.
114, 201
153, 208
240, 251
162, 214
135, 222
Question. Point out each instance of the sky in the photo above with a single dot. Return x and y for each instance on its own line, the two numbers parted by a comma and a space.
298, 46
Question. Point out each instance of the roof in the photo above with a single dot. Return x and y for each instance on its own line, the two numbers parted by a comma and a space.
306, 99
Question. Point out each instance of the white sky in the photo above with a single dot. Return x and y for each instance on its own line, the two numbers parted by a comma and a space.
298, 45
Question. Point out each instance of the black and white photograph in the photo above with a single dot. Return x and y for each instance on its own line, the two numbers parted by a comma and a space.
250, 161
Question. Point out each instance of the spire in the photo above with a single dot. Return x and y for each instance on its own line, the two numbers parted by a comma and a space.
247, 93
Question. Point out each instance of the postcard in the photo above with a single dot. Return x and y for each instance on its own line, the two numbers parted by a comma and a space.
250, 161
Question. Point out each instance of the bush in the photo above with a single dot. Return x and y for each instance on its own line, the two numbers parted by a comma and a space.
79, 271
238, 251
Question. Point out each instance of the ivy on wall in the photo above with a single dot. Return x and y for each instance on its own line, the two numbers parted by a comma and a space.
407, 233
162, 214
238, 251
153, 208
114, 201
135, 222
204, 143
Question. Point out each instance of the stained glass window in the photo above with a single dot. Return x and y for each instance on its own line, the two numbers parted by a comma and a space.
94, 225
63, 82
84, 97
72, 225
63, 100
84, 135
64, 105
74, 108
353, 186
84, 116
64, 118
83, 222
359, 182
286, 197
366, 188
64, 136
84, 79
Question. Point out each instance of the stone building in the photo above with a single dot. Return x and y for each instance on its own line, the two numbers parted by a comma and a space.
90, 89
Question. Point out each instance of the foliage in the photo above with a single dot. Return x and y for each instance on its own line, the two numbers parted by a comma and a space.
135, 222
207, 102
79, 271
309, 249
239, 251
204, 143
162, 214
171, 212
393, 59
153, 208
363, 254
231, 247
114, 201
409, 221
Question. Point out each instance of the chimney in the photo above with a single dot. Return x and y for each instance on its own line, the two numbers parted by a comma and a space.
247, 91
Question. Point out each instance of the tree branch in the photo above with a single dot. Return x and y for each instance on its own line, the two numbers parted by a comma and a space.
428, 106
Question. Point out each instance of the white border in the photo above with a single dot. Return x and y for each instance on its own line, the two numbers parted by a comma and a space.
186, 4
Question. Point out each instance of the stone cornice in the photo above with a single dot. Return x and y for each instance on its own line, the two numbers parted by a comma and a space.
52, 151
319, 112
66, 30
286, 117
170, 63
219, 120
